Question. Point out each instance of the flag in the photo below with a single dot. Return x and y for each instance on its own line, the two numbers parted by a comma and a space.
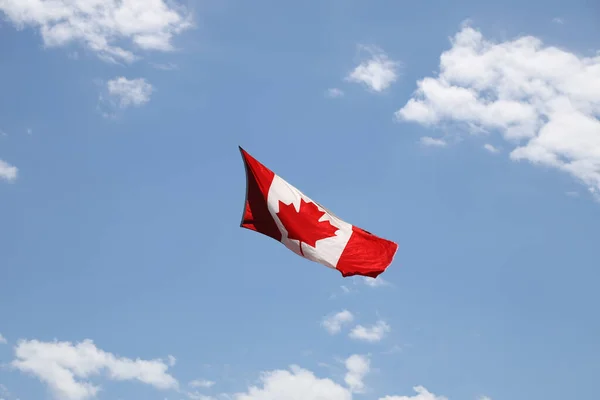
277, 209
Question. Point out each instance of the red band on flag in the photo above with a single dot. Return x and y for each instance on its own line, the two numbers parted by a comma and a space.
366, 254
256, 213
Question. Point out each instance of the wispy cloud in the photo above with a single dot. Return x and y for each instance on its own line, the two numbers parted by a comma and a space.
375, 282
130, 92
333, 324
5, 393
8, 172
122, 93
377, 72
201, 383
334, 93
198, 396
422, 394
165, 67
374, 333
491, 148
432, 142
358, 367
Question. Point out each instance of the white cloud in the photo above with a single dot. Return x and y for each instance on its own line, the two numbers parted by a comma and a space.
301, 384
295, 384
545, 101
3, 339
373, 333
490, 148
358, 367
377, 73
344, 291
422, 394
172, 360
66, 367
393, 350
8, 172
165, 67
129, 92
198, 396
484, 398
201, 383
102, 26
333, 324
374, 282
4, 392
432, 142
334, 93
557, 20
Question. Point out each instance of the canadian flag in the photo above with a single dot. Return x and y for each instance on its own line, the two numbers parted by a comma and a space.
278, 210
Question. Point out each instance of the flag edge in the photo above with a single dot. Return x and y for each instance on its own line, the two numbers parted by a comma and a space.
246, 171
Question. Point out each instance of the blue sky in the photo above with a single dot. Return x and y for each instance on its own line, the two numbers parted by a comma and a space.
121, 192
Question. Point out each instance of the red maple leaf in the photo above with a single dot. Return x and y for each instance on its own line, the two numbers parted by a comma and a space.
304, 225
